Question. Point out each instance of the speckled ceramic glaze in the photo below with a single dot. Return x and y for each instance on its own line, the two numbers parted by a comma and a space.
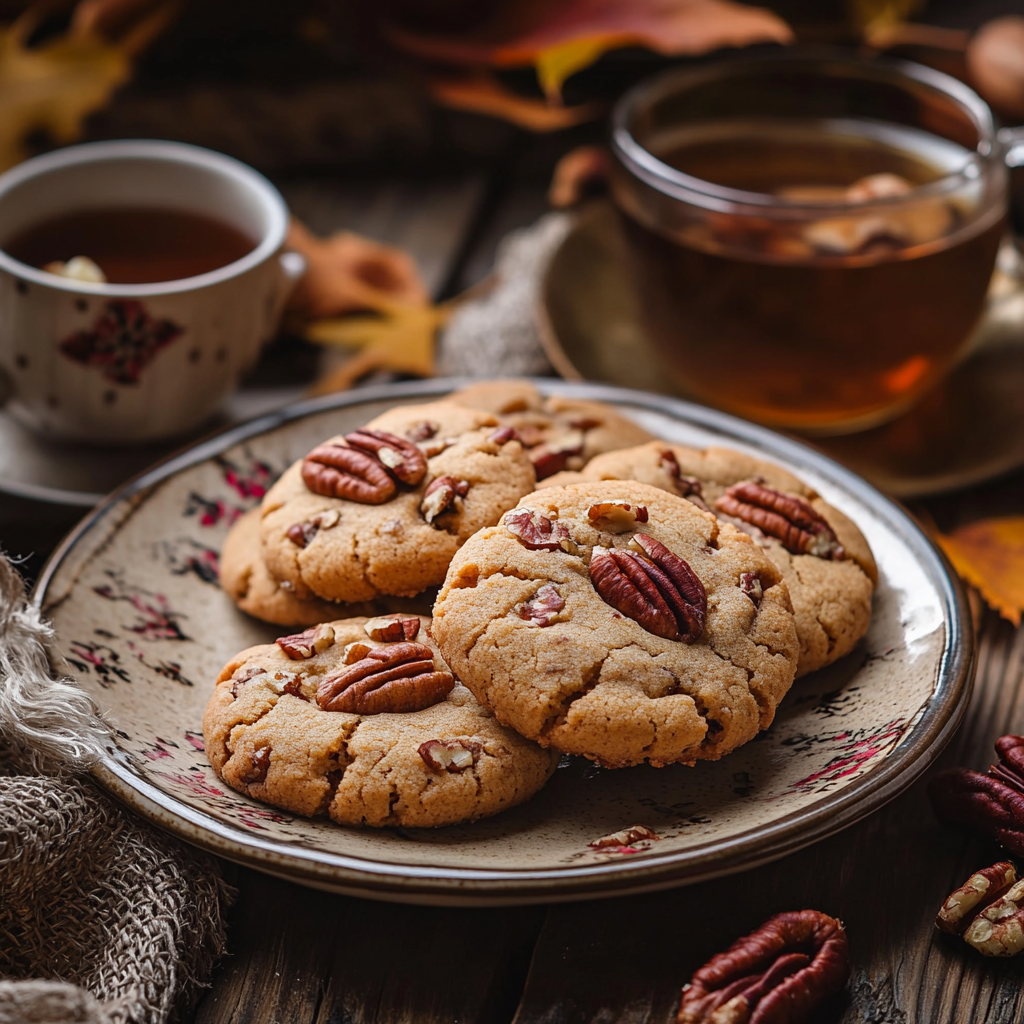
145, 628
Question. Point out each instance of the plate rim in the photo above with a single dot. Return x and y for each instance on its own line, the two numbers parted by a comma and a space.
388, 880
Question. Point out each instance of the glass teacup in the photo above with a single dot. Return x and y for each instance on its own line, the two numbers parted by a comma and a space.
812, 236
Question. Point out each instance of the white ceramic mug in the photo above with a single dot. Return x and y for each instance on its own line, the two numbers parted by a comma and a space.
137, 362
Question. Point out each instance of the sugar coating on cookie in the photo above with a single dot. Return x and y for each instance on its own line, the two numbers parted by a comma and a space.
267, 736
831, 597
345, 550
526, 629
559, 432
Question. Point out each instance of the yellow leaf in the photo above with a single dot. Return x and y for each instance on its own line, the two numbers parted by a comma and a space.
989, 555
561, 62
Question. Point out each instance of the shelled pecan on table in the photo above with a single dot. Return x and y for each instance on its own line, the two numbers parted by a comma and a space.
779, 974
987, 911
989, 802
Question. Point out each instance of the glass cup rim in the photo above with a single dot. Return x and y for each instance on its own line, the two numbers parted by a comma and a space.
676, 184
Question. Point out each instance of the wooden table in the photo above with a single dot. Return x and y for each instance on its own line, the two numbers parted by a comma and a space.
299, 955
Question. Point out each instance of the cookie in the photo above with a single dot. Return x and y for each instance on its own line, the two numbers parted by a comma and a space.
678, 652
559, 433
831, 596
284, 728
441, 472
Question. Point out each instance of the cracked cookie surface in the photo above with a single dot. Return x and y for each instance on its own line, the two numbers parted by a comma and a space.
593, 681
267, 737
831, 598
559, 433
359, 551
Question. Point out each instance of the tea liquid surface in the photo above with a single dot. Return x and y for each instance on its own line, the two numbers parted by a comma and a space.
756, 317
134, 245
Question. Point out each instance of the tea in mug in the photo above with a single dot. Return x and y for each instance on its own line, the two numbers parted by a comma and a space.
812, 321
134, 245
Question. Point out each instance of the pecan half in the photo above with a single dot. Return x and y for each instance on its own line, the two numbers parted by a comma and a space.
788, 518
991, 803
303, 534
538, 532
779, 974
440, 495
553, 455
389, 628
405, 461
451, 756
999, 929
308, 643
339, 472
616, 516
542, 609
983, 888
626, 837
658, 589
259, 765
398, 678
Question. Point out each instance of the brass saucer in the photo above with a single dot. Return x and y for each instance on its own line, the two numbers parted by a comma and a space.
968, 429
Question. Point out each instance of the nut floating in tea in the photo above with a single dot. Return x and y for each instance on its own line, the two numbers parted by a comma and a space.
78, 268
991, 802
779, 974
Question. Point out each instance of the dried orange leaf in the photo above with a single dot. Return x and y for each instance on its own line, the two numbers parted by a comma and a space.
989, 555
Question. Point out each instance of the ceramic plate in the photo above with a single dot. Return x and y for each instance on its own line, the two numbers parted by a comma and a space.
969, 428
144, 626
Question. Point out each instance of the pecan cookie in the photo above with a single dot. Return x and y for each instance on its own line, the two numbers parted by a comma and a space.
383, 509
558, 433
361, 720
826, 562
619, 622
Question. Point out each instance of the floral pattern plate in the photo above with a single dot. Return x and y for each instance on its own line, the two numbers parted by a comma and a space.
145, 628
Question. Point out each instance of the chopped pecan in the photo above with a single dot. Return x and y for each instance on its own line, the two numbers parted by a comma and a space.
440, 495
502, 435
616, 516
542, 609
422, 431
389, 628
626, 837
293, 687
339, 472
398, 678
302, 534
788, 518
404, 460
983, 888
538, 532
451, 756
553, 455
259, 765
779, 974
242, 676
750, 584
999, 929
992, 803
658, 589
308, 643
355, 652
688, 487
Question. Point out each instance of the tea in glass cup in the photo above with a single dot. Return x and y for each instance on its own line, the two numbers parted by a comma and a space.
812, 238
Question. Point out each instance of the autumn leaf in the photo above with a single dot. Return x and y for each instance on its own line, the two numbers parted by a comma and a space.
560, 37
989, 555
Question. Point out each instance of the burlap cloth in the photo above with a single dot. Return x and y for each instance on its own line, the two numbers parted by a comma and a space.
103, 919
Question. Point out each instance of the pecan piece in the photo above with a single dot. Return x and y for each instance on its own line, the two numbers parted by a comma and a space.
502, 435
779, 974
625, 837
453, 756
389, 628
616, 516
553, 455
307, 644
339, 472
543, 608
788, 518
999, 929
538, 532
750, 584
403, 459
660, 590
259, 765
398, 678
303, 534
440, 495
422, 431
688, 487
983, 888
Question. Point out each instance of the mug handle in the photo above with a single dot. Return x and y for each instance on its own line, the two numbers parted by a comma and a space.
1012, 142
